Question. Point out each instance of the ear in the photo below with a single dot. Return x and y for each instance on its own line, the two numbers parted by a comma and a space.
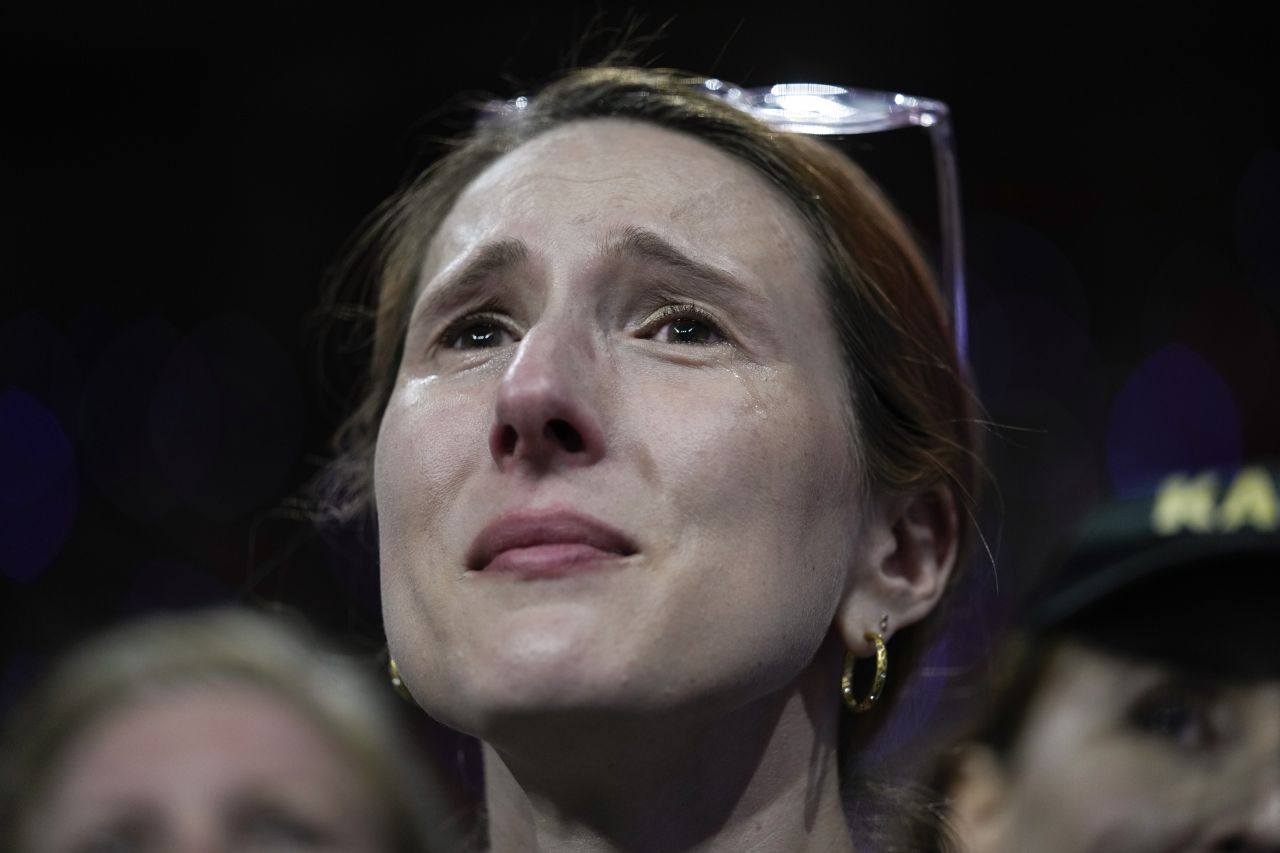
905, 556
977, 799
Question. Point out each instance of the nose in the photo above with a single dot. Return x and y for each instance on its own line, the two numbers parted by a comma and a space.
546, 413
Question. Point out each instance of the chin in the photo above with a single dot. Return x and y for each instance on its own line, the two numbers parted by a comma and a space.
503, 711
539, 676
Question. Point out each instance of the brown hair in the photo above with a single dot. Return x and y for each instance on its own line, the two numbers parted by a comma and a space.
912, 410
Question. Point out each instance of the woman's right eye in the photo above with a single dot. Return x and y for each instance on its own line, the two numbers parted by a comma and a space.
477, 332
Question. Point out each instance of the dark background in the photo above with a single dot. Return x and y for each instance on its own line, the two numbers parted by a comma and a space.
174, 192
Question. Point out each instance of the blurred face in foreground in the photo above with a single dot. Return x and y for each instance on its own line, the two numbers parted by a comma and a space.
206, 768
1121, 755
615, 474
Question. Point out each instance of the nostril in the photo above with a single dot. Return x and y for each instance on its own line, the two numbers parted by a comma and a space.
563, 433
508, 440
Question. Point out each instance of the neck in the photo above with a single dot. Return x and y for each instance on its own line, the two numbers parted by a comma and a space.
760, 779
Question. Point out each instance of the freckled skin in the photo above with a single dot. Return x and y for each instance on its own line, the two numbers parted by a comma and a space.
1084, 778
728, 465
198, 767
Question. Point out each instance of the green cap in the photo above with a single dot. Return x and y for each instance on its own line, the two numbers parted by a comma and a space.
1195, 558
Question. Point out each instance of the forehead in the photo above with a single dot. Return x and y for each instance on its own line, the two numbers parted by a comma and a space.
596, 175
208, 751
245, 734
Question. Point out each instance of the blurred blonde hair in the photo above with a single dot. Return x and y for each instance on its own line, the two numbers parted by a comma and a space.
223, 647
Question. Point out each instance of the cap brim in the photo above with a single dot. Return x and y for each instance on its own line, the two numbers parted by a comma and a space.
1102, 576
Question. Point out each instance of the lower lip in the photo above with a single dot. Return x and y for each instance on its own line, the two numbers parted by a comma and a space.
549, 561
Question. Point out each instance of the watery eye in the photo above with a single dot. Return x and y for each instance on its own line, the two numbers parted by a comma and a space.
477, 334
685, 329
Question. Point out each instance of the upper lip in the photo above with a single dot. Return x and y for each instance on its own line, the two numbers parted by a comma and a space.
529, 528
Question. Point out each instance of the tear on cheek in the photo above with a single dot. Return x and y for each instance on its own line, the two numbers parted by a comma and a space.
413, 391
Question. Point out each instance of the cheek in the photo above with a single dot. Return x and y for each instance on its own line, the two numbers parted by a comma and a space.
750, 447
428, 445
757, 471
428, 442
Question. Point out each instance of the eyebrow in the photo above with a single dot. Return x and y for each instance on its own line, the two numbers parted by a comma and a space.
644, 245
489, 260
747, 307
630, 243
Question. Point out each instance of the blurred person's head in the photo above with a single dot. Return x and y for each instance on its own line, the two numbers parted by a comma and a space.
1139, 710
223, 730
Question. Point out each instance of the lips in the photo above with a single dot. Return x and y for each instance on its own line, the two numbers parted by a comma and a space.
546, 543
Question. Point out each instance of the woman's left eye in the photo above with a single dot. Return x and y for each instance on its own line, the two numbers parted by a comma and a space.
685, 325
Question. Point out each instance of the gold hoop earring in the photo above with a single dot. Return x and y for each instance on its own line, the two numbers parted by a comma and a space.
855, 704
397, 683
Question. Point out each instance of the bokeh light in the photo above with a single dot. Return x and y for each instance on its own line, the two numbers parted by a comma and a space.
36, 357
1174, 413
39, 489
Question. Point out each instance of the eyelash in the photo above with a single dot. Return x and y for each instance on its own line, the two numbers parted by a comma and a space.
668, 313
1177, 713
449, 337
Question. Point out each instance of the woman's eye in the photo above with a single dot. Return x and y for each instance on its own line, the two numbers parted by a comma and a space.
684, 326
1177, 714
477, 333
